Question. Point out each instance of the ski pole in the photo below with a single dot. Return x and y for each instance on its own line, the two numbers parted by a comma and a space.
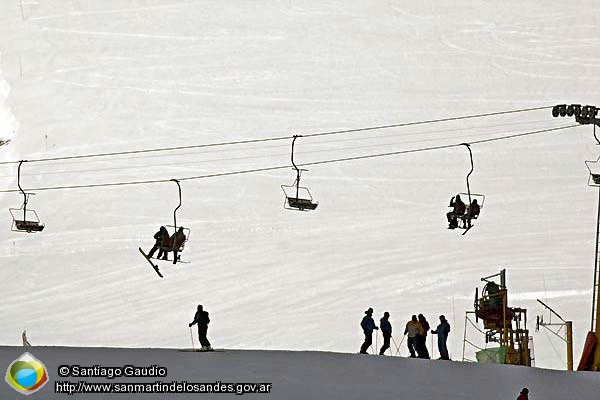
402, 341
192, 337
395, 344
432, 349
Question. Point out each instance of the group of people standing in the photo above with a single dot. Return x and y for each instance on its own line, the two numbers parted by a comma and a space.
416, 330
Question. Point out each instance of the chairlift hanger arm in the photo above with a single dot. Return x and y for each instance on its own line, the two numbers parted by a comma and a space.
21, 189
471, 171
179, 205
298, 171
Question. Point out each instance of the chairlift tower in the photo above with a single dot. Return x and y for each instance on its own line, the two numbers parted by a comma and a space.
588, 115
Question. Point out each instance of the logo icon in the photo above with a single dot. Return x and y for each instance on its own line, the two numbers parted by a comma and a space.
26, 374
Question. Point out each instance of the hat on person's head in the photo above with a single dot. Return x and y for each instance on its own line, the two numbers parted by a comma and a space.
386, 314
369, 311
525, 391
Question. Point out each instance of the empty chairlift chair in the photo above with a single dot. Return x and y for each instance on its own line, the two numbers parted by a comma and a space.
24, 220
297, 197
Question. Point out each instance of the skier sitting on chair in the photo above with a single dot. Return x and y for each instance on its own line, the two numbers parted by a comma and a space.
457, 211
177, 240
162, 240
472, 212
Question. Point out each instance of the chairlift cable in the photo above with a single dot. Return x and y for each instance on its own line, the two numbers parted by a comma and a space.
278, 138
368, 156
262, 156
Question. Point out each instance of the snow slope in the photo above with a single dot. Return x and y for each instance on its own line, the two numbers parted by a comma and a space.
124, 75
311, 375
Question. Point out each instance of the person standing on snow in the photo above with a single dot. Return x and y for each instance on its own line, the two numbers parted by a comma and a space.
442, 331
367, 325
413, 328
201, 318
386, 330
422, 338
524, 394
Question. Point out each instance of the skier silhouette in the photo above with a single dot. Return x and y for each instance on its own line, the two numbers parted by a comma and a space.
201, 318
422, 338
162, 241
368, 325
524, 395
386, 330
413, 328
442, 331
177, 240
457, 211
25, 341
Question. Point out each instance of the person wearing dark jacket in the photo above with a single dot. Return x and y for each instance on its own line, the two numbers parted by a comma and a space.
524, 394
442, 331
162, 238
458, 210
386, 330
177, 241
472, 212
422, 338
367, 325
201, 318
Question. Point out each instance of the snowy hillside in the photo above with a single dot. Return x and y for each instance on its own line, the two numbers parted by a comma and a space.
309, 375
102, 76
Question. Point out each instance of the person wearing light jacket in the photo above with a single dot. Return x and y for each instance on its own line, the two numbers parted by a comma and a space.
413, 328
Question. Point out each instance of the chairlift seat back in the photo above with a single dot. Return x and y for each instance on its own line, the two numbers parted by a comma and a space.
474, 196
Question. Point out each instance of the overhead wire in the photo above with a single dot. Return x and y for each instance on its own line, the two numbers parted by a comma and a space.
248, 157
277, 138
273, 168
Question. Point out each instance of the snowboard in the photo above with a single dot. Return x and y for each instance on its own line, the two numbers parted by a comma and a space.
150, 261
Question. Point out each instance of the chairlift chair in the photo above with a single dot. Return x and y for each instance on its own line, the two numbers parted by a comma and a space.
594, 168
468, 198
24, 220
297, 197
172, 229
